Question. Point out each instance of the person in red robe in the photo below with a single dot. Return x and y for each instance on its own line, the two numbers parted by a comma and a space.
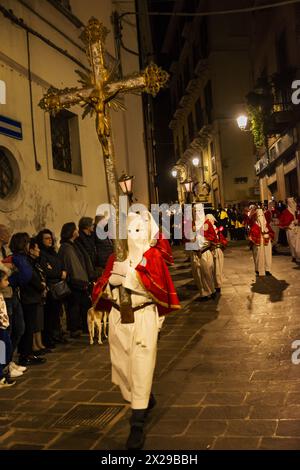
133, 339
288, 221
218, 245
261, 236
203, 261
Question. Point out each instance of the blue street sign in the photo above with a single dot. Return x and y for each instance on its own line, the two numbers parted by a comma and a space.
11, 128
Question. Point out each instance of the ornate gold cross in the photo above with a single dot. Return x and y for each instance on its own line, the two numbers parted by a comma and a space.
98, 94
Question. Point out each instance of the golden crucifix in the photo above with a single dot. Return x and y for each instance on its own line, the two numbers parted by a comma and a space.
98, 94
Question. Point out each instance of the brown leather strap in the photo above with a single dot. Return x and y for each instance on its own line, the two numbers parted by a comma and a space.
135, 309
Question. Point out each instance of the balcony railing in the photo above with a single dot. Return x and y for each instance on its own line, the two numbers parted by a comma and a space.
283, 145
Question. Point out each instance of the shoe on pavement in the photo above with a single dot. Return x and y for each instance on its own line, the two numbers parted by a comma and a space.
4, 383
268, 273
32, 360
136, 438
13, 365
14, 373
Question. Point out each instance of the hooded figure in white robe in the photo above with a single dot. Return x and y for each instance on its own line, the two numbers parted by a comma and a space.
133, 346
203, 264
218, 256
292, 231
260, 235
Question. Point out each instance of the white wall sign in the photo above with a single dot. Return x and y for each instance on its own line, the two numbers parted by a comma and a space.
2, 92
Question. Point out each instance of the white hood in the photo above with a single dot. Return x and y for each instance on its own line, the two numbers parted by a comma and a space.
292, 206
142, 232
261, 220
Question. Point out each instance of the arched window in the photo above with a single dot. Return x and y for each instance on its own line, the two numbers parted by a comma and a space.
7, 179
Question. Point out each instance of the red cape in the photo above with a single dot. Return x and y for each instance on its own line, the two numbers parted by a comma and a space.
153, 275
209, 232
255, 234
285, 218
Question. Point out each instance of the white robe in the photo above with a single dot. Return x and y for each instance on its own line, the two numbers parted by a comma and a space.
203, 272
218, 265
133, 346
292, 234
262, 255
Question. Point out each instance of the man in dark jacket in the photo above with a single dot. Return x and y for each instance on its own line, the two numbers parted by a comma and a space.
104, 248
86, 243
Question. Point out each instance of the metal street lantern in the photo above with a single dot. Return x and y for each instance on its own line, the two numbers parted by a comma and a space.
242, 121
196, 161
174, 173
125, 183
188, 185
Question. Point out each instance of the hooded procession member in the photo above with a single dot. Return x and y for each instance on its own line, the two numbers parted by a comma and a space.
261, 236
203, 261
219, 243
288, 221
133, 345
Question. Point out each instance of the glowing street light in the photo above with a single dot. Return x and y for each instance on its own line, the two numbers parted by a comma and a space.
196, 161
242, 121
174, 173
188, 185
125, 183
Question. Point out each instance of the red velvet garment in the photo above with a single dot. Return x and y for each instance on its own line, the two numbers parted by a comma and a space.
255, 234
223, 240
165, 248
210, 233
268, 215
154, 276
285, 218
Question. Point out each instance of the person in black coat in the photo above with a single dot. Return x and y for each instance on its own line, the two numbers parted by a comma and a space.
104, 248
75, 262
54, 272
32, 299
86, 243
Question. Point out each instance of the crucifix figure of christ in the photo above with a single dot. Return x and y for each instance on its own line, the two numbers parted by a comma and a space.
98, 94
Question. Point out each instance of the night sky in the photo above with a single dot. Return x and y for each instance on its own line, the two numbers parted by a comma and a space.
163, 135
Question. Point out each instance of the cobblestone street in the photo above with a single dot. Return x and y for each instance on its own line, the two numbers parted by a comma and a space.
224, 376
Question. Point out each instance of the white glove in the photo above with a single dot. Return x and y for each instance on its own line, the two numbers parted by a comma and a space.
119, 272
120, 267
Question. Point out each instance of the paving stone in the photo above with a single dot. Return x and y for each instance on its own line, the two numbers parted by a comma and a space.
75, 395
236, 443
252, 427
224, 412
30, 447
202, 427
70, 441
35, 421
288, 427
175, 443
38, 394
168, 427
66, 384
223, 398
264, 412
293, 398
280, 443
97, 385
31, 437
266, 398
